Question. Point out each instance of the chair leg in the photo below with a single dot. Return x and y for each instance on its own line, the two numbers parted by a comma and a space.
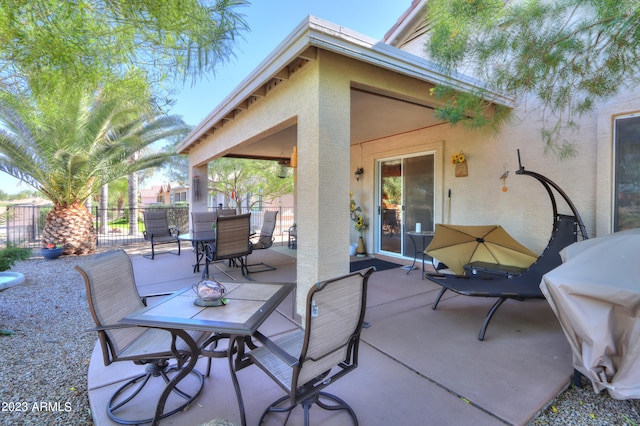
265, 267
438, 297
152, 253
492, 311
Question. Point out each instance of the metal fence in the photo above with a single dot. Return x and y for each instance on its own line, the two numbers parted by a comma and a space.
22, 225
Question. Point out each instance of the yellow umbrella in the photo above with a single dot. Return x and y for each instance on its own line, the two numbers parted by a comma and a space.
458, 245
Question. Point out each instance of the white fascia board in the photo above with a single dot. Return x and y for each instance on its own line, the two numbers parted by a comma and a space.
315, 32
365, 49
415, 13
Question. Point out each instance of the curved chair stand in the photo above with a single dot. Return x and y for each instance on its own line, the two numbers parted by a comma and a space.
338, 404
525, 285
154, 368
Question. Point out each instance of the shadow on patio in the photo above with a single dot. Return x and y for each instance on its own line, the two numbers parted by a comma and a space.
417, 366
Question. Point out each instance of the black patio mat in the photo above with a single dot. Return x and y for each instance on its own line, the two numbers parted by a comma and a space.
380, 265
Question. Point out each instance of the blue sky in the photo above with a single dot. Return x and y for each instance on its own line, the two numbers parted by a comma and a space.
270, 21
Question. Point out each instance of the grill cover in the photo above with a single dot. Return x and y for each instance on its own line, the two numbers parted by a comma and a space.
595, 294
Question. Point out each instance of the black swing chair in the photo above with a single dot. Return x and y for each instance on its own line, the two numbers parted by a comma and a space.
501, 282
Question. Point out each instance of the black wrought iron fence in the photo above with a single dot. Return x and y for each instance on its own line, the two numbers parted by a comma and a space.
22, 225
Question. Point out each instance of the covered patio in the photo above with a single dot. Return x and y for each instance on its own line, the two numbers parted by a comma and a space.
329, 101
417, 365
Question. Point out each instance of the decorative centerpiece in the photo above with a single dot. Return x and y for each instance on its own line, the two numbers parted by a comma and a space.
209, 292
51, 251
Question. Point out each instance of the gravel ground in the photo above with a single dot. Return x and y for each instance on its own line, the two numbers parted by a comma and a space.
43, 365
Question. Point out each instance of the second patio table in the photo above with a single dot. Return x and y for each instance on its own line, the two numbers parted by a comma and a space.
249, 304
199, 239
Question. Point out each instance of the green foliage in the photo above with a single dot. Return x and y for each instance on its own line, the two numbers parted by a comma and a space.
111, 42
25, 193
12, 254
249, 180
568, 53
69, 151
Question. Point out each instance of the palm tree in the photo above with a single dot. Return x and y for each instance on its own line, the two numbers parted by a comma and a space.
69, 148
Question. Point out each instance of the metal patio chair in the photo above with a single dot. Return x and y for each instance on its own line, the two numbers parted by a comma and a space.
232, 242
305, 361
264, 240
157, 231
112, 294
203, 221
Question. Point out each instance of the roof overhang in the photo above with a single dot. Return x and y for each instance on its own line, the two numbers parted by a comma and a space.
301, 46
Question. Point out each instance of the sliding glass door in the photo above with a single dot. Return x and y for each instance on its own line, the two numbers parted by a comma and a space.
406, 188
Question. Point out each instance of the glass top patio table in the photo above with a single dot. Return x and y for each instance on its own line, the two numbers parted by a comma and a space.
248, 305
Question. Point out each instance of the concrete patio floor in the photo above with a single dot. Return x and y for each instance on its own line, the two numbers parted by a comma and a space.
417, 366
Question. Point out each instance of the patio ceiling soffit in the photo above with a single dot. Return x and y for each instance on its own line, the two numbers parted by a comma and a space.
299, 48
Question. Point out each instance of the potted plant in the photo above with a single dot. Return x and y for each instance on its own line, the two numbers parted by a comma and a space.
360, 224
52, 251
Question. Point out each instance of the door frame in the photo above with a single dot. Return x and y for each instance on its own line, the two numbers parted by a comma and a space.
377, 225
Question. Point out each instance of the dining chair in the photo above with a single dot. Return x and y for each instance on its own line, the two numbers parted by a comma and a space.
264, 240
227, 212
232, 241
203, 221
112, 294
307, 360
157, 231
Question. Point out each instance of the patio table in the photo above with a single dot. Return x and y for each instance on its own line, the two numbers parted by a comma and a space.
248, 305
199, 239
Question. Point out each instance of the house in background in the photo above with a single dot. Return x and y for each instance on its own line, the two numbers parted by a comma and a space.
168, 194
153, 195
350, 103
178, 194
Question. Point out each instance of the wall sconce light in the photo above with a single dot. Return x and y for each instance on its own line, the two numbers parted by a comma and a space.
358, 173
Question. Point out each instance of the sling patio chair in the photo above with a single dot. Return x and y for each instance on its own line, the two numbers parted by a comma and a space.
112, 294
305, 361
203, 221
264, 240
232, 242
226, 212
157, 231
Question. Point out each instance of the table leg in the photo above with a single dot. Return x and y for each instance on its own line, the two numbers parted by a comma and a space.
238, 343
415, 253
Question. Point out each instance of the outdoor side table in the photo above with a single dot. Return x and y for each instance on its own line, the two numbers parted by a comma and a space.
420, 242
